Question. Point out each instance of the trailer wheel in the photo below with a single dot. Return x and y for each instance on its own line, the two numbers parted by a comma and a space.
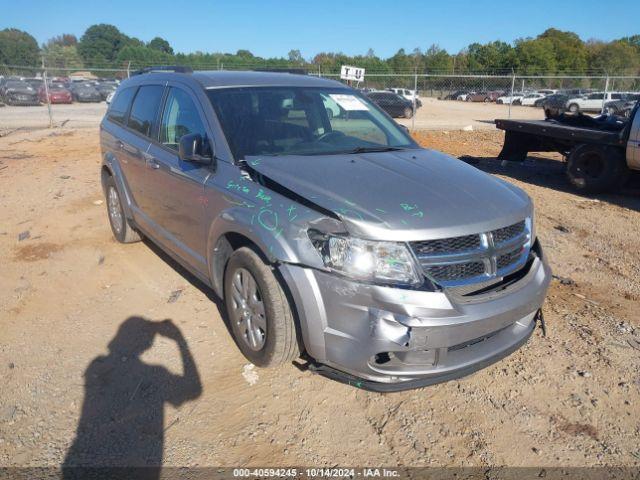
594, 168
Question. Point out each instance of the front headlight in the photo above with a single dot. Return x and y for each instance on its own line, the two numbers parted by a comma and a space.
385, 262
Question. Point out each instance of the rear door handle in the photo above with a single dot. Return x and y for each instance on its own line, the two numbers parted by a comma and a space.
151, 161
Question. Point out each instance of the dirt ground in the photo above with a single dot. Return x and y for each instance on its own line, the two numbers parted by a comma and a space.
66, 288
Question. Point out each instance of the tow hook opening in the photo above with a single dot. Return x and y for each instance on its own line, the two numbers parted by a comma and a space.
539, 319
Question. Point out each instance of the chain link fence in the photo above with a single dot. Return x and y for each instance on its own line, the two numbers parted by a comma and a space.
419, 101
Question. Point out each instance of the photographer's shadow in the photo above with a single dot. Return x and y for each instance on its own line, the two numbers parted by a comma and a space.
122, 421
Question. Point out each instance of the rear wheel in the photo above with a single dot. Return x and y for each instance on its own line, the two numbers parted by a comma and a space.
261, 318
574, 108
486, 100
593, 168
122, 231
408, 112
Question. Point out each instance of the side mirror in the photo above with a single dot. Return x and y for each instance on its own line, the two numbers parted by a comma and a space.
193, 149
405, 128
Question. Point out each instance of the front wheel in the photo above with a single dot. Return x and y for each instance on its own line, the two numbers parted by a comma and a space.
258, 310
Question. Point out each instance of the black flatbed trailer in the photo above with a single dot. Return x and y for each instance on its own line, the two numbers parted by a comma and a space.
594, 148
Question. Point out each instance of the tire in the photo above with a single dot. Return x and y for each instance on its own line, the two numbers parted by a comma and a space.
594, 168
408, 112
486, 100
120, 227
574, 108
261, 319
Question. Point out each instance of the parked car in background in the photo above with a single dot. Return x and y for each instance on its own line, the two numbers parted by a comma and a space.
387, 265
593, 102
547, 91
393, 104
57, 94
509, 99
36, 83
17, 92
84, 92
530, 98
552, 105
406, 93
105, 88
110, 97
622, 107
485, 97
455, 94
464, 95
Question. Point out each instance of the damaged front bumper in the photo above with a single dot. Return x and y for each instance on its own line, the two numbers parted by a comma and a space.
385, 339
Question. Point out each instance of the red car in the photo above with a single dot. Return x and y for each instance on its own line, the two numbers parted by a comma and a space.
57, 94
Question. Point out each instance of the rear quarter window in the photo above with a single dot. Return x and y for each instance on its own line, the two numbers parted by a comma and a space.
145, 109
120, 105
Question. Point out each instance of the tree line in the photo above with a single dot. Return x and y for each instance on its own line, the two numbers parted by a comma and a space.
552, 52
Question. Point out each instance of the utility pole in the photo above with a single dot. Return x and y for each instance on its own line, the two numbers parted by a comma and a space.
46, 92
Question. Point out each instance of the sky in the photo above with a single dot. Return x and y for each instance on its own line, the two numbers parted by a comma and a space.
273, 28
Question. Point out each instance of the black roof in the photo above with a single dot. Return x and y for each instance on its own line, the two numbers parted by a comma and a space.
232, 78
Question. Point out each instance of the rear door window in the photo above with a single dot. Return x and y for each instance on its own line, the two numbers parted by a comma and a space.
145, 109
120, 105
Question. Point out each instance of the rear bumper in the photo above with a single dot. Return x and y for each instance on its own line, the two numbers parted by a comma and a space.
390, 339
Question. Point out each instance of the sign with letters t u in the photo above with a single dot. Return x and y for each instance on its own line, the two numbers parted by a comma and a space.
351, 73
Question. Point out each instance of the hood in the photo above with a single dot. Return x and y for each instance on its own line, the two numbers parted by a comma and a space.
404, 195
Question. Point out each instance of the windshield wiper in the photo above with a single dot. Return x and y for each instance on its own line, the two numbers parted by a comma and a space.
373, 149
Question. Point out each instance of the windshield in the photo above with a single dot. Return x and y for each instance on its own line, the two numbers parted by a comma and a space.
303, 121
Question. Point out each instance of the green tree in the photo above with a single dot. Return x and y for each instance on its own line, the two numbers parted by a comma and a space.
141, 56
58, 56
295, 56
616, 57
101, 43
18, 48
160, 44
535, 56
437, 60
493, 57
64, 40
401, 62
569, 50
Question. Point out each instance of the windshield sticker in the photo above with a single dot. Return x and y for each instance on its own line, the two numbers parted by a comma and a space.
348, 102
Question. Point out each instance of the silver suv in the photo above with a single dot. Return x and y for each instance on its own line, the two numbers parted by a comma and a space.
329, 233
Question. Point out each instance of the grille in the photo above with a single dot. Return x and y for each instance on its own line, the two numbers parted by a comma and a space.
507, 259
456, 271
501, 235
465, 260
447, 245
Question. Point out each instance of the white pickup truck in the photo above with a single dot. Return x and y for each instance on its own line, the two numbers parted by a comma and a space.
592, 102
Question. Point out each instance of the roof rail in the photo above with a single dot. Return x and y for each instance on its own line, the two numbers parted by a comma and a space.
163, 68
295, 71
